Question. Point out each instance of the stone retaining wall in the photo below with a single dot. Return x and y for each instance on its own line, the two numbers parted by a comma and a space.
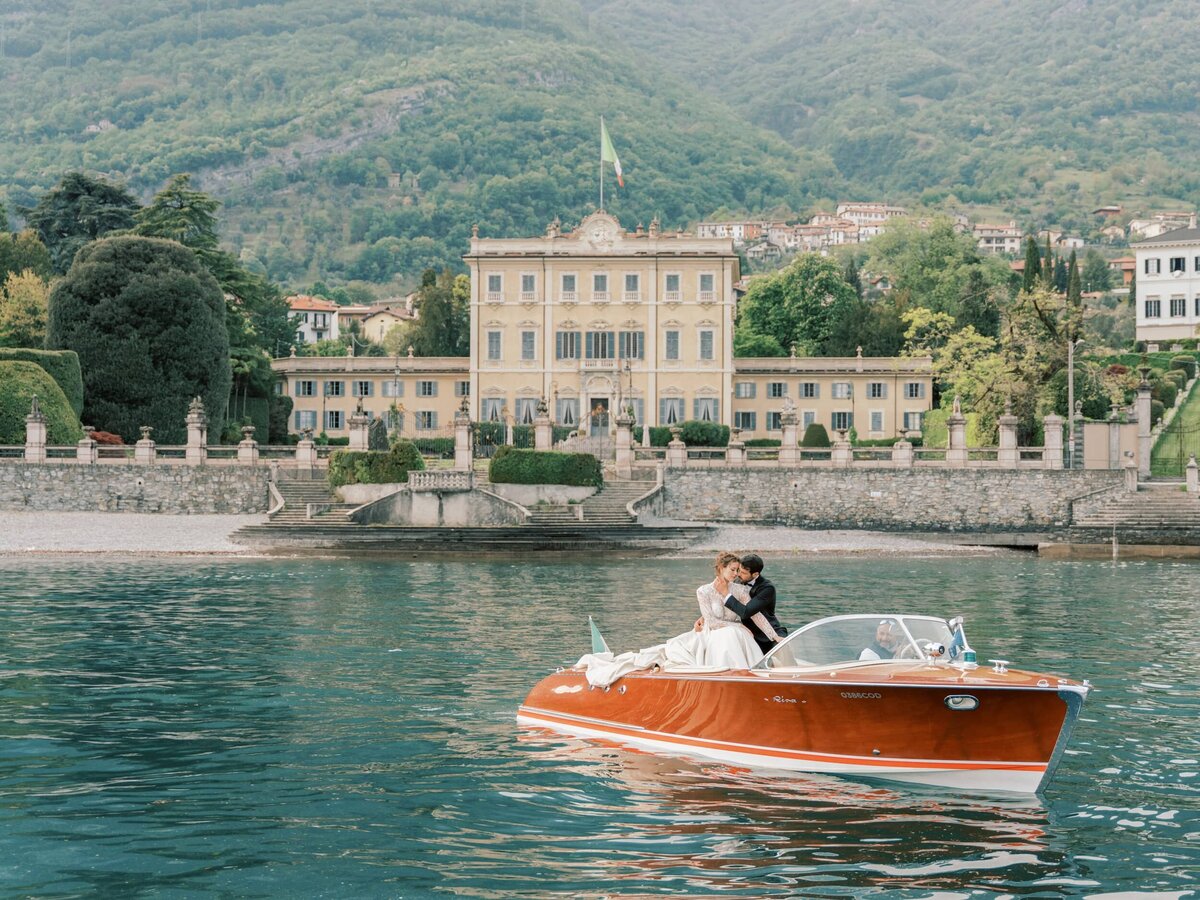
68, 487
880, 499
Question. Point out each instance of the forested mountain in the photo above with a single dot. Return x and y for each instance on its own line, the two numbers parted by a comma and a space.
361, 140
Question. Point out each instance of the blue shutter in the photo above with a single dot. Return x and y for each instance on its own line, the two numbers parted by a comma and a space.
612, 343
558, 344
590, 350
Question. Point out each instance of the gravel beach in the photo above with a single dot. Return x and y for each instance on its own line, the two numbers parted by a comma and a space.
137, 533
122, 533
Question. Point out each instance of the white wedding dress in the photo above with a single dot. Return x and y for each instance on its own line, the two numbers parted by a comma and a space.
722, 643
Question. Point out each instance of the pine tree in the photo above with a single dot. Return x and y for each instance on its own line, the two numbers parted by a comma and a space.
1048, 264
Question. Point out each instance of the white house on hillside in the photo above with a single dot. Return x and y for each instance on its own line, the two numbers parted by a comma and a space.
1168, 284
315, 319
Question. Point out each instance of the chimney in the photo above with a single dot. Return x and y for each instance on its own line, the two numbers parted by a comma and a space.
1192, 220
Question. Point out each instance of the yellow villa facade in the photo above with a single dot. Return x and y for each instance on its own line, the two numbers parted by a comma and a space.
600, 319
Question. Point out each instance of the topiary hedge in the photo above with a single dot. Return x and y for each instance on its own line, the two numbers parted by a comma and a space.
815, 435
513, 466
374, 466
694, 433
1186, 364
61, 365
20, 381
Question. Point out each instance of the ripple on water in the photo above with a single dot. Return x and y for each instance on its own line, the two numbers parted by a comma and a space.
258, 728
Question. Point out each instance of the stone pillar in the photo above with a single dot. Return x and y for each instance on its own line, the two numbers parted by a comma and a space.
248, 448
1193, 476
464, 452
1077, 448
197, 433
85, 451
1007, 454
1143, 420
144, 453
676, 450
360, 428
902, 454
306, 450
543, 431
1052, 442
624, 445
956, 422
843, 454
35, 433
789, 451
1131, 476
1114, 438
735, 453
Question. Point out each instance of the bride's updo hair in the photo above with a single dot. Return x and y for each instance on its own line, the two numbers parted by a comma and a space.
724, 559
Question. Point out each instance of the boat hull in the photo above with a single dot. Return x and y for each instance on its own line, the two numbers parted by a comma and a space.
893, 722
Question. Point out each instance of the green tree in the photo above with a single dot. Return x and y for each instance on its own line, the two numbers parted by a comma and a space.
148, 322
1033, 265
181, 214
24, 250
80, 209
797, 305
751, 345
23, 304
1095, 274
875, 328
440, 328
979, 304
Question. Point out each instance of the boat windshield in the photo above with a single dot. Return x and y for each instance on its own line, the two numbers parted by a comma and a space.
869, 638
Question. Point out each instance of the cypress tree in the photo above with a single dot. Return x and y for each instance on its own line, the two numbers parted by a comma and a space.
1033, 265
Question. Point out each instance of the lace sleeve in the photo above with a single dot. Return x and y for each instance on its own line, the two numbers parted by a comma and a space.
712, 608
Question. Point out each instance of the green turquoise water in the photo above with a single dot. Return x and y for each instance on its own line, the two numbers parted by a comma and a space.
347, 729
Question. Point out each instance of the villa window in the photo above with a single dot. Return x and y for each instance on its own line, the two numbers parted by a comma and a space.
1153, 266
914, 390
631, 344
362, 388
877, 390
309, 388
393, 388
672, 345
670, 410
842, 390
492, 409
1153, 309
912, 421
745, 420
426, 388
462, 389
705, 409
528, 345
810, 390
744, 390
1178, 264
842, 421
333, 420
526, 410
567, 344
426, 420
600, 344
306, 418
335, 388
776, 389
774, 421
568, 290
706, 344
493, 345
567, 411
1178, 306
876, 420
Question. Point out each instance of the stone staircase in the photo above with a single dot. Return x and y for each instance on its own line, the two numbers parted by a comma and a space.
607, 507
299, 497
1157, 513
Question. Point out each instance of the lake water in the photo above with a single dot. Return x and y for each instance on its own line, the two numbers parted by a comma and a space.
190, 728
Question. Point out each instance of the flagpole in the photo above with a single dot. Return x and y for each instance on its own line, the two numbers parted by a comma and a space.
602, 162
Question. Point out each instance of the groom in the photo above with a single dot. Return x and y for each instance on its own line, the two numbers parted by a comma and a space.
762, 600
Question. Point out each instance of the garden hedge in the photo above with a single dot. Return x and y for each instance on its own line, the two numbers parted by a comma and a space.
19, 382
815, 435
1187, 364
514, 466
61, 365
375, 466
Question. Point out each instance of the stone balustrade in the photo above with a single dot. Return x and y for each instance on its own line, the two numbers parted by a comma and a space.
441, 480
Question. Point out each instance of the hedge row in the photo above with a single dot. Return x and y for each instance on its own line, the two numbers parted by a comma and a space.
374, 467
515, 466
692, 432
19, 382
61, 365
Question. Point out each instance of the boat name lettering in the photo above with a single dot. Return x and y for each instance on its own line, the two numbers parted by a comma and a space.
778, 699
861, 695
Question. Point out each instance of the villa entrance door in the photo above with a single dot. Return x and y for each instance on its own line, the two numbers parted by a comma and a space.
599, 418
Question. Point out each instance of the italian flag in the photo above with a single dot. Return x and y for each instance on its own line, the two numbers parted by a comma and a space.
608, 153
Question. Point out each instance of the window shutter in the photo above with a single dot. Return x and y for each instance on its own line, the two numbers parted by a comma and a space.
696, 408
558, 345
612, 343
884, 387
591, 345
716, 410
921, 391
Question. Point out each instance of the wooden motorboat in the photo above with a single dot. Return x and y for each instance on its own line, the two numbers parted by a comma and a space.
928, 713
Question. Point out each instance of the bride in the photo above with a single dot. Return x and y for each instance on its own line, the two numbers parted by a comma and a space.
719, 638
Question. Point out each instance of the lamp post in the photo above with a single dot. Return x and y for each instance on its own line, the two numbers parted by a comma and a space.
1072, 344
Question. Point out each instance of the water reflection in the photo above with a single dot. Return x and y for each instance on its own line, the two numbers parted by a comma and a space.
348, 728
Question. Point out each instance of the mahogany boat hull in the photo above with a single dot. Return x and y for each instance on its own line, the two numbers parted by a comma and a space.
908, 721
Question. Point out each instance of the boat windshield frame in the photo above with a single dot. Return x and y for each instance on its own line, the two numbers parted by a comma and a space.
930, 632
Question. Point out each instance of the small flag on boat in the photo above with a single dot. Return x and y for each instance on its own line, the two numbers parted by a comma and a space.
599, 645
608, 153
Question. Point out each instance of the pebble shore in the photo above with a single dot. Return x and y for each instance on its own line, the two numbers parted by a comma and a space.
138, 533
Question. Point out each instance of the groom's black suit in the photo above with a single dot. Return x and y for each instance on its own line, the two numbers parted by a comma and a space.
762, 600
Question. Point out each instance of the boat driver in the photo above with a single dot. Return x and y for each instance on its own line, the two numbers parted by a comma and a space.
886, 641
